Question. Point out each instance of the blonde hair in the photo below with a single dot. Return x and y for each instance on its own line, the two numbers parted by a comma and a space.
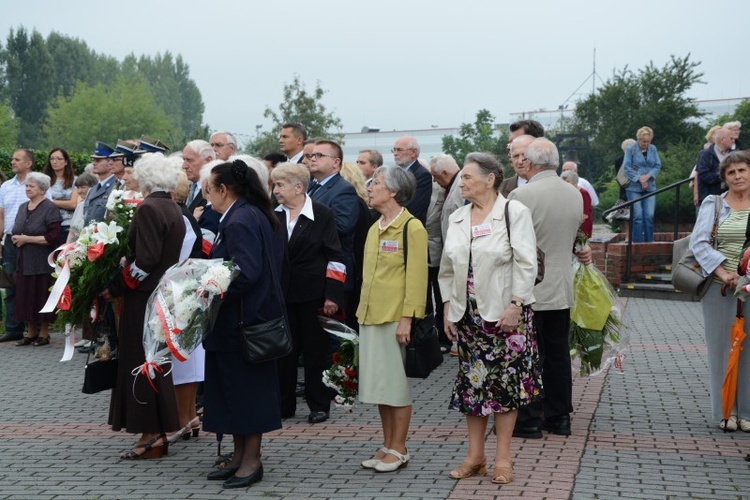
711, 132
180, 192
293, 173
644, 132
355, 177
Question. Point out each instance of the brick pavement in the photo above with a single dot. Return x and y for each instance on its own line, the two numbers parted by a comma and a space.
638, 434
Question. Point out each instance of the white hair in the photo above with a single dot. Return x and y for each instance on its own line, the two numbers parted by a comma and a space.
206, 171
441, 162
229, 136
41, 180
254, 163
202, 148
154, 172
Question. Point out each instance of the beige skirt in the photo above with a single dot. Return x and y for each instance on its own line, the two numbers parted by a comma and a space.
382, 378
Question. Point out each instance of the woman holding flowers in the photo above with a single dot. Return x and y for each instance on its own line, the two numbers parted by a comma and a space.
36, 233
394, 292
487, 279
155, 238
242, 398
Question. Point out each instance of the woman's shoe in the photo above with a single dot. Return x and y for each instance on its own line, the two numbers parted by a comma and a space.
193, 427
467, 470
370, 464
403, 461
222, 474
38, 341
729, 425
502, 475
744, 425
244, 482
26, 341
150, 449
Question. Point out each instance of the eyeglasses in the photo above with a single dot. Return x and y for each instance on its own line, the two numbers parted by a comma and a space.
318, 156
400, 150
56, 158
218, 144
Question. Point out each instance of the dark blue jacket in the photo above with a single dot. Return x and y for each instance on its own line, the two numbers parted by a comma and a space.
707, 172
420, 202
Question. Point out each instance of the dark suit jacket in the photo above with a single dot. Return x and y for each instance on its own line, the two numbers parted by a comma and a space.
197, 251
709, 181
340, 196
240, 238
95, 204
198, 201
209, 219
314, 243
420, 202
508, 185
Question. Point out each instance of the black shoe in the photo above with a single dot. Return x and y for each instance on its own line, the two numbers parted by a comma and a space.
559, 426
87, 349
527, 432
244, 482
317, 417
10, 337
221, 474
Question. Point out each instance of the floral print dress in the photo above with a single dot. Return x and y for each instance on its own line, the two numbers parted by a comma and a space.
498, 372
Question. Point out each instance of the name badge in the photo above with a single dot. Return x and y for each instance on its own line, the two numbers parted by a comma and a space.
481, 230
388, 246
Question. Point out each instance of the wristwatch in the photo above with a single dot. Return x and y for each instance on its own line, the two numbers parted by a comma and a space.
516, 302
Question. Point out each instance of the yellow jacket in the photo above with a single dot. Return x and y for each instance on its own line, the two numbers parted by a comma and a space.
389, 292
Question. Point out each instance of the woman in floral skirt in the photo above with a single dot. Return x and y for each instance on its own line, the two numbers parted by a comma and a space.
487, 277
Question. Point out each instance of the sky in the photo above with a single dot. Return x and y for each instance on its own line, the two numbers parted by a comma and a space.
407, 64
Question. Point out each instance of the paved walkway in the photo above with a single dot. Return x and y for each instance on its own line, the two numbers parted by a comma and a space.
642, 433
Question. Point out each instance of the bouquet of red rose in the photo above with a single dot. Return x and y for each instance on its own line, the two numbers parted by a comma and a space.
342, 376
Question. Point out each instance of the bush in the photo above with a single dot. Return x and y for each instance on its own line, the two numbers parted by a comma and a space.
80, 160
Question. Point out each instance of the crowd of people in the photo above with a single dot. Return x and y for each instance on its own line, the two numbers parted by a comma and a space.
375, 246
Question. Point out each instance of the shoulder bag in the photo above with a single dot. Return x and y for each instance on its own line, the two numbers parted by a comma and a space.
539, 251
622, 179
99, 375
423, 352
271, 339
687, 275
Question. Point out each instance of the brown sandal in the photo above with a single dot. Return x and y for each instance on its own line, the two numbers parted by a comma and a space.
150, 449
467, 470
502, 475
26, 341
40, 341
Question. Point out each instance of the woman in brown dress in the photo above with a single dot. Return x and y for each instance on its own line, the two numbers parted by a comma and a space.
155, 236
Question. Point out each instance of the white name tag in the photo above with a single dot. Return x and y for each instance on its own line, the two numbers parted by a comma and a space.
388, 246
481, 230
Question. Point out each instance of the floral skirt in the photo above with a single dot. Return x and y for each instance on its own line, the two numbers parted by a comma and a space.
498, 372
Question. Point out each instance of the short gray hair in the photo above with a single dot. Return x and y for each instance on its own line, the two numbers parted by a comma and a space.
569, 174
542, 153
154, 172
202, 148
375, 156
626, 144
230, 137
293, 173
441, 162
488, 164
260, 168
41, 180
398, 181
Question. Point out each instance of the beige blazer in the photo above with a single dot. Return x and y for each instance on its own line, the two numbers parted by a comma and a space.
499, 271
557, 211
452, 203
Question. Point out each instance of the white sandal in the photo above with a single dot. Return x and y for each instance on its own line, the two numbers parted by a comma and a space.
729, 425
403, 461
371, 463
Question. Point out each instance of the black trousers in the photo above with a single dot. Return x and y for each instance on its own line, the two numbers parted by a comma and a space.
435, 302
309, 338
554, 354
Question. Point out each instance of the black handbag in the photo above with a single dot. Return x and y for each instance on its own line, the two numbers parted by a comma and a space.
423, 352
271, 339
101, 375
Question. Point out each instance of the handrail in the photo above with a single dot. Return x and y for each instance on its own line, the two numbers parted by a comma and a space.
676, 187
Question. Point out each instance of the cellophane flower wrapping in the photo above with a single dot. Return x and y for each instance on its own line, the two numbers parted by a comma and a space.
597, 335
343, 375
181, 308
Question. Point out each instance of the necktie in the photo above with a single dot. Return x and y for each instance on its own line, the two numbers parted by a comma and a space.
313, 187
191, 195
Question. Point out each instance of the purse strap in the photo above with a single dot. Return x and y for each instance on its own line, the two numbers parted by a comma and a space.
715, 230
405, 238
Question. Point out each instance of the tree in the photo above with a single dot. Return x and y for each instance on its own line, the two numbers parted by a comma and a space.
8, 127
477, 136
125, 110
299, 106
741, 114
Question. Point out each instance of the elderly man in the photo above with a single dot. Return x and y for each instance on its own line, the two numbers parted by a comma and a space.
734, 129
224, 144
517, 148
368, 160
709, 160
557, 212
583, 183
292, 141
406, 155
195, 154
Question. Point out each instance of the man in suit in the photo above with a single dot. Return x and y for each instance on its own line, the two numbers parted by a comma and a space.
517, 148
368, 161
292, 141
332, 190
195, 154
224, 144
557, 212
709, 160
406, 154
95, 204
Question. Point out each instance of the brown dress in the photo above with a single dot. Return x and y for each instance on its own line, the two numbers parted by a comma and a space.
155, 238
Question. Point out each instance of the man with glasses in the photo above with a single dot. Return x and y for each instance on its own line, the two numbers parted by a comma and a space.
224, 144
406, 155
517, 148
95, 204
292, 140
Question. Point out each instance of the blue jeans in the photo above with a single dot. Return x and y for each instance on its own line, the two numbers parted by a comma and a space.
10, 263
643, 217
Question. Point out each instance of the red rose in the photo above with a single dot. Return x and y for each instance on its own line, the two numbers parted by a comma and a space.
95, 251
350, 372
337, 357
350, 385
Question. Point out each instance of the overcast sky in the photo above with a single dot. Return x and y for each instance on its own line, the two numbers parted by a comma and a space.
404, 64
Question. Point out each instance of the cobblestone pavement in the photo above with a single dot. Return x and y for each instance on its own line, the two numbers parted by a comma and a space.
642, 433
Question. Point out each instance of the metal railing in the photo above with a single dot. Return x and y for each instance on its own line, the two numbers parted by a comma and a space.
628, 204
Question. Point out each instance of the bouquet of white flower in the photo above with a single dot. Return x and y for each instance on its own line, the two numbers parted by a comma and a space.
180, 308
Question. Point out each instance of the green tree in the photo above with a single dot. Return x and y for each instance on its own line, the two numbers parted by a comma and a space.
298, 106
8, 127
477, 136
741, 114
126, 109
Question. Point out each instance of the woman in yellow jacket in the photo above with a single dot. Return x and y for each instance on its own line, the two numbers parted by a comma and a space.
394, 292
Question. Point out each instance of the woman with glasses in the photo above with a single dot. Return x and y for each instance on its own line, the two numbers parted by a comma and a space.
60, 169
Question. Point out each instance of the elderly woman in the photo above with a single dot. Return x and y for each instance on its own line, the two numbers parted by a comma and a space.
155, 238
588, 215
60, 170
36, 233
315, 277
642, 165
394, 292
242, 398
487, 280
719, 259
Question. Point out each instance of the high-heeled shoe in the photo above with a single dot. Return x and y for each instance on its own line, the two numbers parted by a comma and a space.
467, 470
150, 449
502, 475
191, 428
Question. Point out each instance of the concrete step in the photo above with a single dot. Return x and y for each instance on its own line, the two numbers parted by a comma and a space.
655, 277
664, 291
